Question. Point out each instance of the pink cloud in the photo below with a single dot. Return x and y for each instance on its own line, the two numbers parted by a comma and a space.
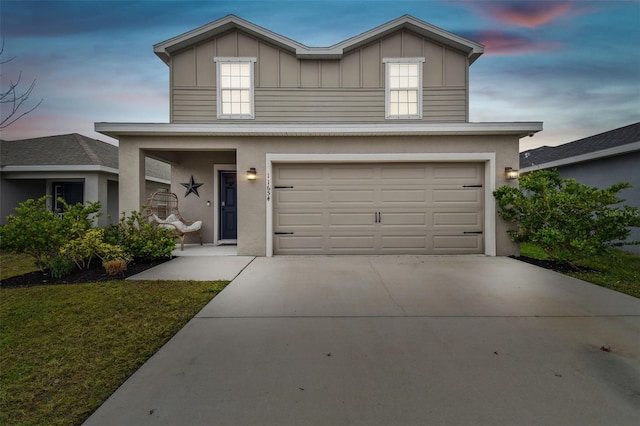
529, 14
501, 43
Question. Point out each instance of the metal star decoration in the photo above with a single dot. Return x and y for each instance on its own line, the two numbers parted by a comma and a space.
192, 187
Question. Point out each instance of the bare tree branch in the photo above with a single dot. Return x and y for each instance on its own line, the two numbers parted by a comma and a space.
13, 98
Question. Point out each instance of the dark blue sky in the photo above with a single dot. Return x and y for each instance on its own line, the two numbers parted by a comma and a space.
575, 65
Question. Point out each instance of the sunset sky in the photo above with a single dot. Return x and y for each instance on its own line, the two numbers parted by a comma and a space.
575, 65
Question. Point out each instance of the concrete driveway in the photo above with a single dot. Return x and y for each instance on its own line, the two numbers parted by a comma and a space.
394, 340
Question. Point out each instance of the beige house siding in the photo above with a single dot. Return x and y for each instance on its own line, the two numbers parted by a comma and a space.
312, 90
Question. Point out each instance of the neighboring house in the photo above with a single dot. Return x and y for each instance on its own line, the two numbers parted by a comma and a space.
77, 168
364, 147
600, 161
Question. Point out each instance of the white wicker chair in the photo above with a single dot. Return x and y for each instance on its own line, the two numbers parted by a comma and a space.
162, 210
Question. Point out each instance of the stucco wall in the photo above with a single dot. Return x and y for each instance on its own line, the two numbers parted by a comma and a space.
16, 191
197, 155
201, 167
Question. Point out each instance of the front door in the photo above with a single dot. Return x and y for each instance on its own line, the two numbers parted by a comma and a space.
228, 206
71, 192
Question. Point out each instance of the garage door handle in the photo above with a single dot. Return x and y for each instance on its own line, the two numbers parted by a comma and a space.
283, 233
377, 217
472, 232
472, 186
283, 187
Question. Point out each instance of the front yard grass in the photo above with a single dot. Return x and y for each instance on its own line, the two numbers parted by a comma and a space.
65, 348
12, 265
619, 272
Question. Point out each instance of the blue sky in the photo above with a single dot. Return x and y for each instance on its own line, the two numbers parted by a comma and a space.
575, 65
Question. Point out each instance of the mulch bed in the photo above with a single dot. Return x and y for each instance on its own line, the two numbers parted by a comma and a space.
94, 274
553, 265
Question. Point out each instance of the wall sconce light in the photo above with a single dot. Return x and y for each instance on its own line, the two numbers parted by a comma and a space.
252, 174
511, 174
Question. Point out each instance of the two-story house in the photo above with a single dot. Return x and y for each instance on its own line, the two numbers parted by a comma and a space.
364, 147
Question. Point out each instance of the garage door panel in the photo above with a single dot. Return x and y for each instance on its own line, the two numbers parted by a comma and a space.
403, 242
457, 172
462, 243
448, 219
365, 219
299, 243
389, 208
298, 173
351, 196
299, 197
403, 173
457, 195
305, 219
403, 219
358, 242
403, 196
346, 173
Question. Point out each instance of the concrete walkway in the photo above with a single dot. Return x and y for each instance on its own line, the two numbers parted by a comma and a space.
394, 340
198, 263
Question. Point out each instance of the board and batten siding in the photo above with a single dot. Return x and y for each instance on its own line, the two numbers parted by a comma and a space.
347, 90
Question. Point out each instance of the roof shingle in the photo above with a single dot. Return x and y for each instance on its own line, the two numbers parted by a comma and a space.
70, 150
611, 139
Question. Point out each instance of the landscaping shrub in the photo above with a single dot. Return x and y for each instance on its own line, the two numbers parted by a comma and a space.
39, 232
568, 220
60, 266
89, 245
139, 238
115, 267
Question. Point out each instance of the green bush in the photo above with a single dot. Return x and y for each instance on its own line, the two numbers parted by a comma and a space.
568, 220
39, 232
139, 238
60, 266
84, 249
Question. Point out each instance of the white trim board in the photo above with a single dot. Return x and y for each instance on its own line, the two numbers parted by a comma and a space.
520, 129
59, 168
488, 158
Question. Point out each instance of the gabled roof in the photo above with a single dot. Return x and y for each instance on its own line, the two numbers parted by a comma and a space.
613, 142
68, 150
229, 22
72, 151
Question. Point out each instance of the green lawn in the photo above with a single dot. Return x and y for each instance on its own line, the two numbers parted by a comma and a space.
12, 265
619, 272
65, 348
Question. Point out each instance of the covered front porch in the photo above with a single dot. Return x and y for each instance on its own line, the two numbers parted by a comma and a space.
204, 179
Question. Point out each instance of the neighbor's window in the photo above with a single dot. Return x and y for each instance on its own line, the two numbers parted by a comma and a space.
403, 87
235, 87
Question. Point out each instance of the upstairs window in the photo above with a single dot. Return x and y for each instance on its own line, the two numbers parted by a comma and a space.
403, 88
235, 87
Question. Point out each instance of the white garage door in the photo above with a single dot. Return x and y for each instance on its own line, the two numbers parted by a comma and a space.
382, 208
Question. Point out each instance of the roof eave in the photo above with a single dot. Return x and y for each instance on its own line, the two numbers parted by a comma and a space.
164, 49
520, 129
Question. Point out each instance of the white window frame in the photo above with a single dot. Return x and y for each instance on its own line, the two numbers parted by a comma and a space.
235, 60
387, 88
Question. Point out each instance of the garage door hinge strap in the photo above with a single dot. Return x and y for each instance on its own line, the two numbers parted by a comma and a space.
282, 187
472, 232
283, 233
472, 186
